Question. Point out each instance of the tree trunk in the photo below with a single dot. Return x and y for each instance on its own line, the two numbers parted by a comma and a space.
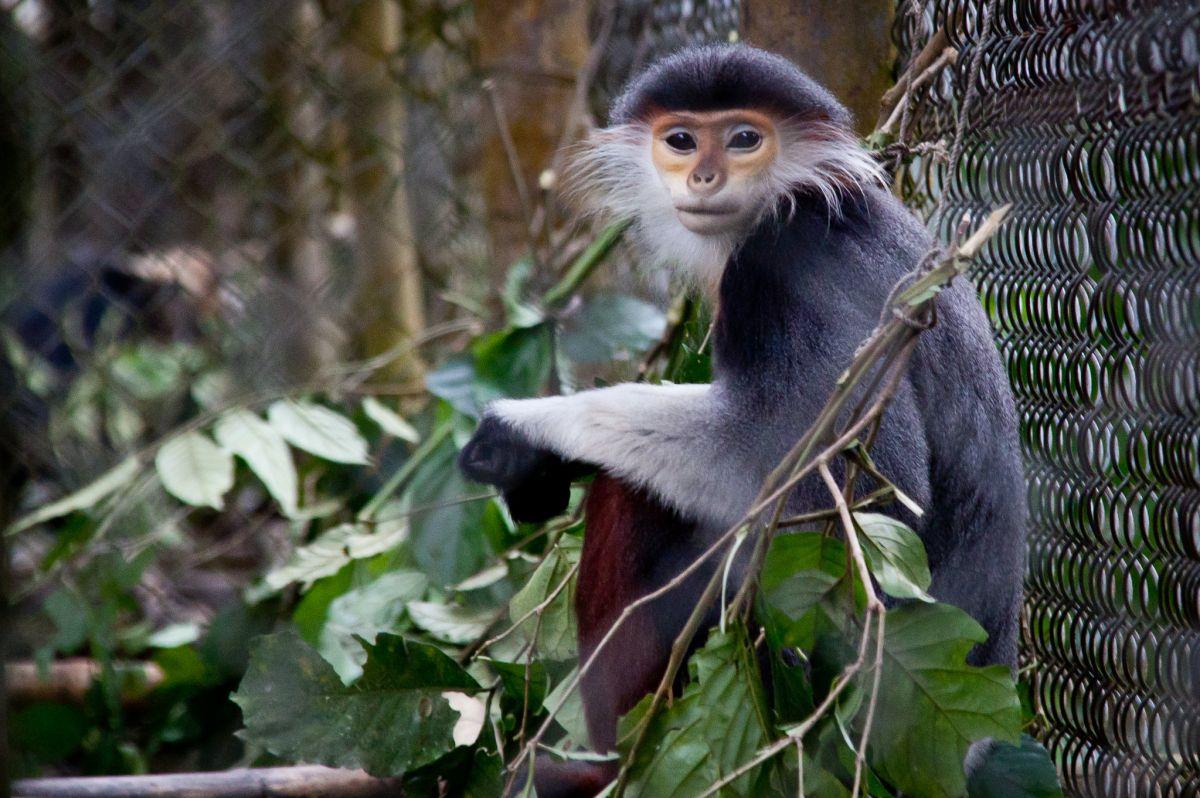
389, 310
845, 45
532, 51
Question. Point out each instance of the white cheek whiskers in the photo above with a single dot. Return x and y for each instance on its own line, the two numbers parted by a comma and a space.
613, 173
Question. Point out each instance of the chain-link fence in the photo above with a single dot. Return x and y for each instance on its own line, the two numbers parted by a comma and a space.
201, 200
1086, 117
198, 193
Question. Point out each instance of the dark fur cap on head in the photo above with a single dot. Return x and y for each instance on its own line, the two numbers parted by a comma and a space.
721, 76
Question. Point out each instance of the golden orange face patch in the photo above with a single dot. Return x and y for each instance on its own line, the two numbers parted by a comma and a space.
713, 141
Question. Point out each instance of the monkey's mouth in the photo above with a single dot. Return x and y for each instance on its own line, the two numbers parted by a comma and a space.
707, 210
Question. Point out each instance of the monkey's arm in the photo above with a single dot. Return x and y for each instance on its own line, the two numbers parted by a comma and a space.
670, 439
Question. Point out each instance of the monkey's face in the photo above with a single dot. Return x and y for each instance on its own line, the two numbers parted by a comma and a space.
714, 166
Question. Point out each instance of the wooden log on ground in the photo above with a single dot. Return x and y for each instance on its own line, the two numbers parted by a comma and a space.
69, 680
304, 781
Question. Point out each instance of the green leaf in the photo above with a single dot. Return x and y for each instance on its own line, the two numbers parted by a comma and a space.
327, 554
556, 633
518, 311
148, 372
1008, 771
895, 555
717, 724
512, 363
264, 450
389, 420
392, 719
454, 382
587, 261
610, 327
512, 677
195, 470
449, 540
83, 499
48, 732
319, 430
570, 716
485, 578
365, 612
932, 705
175, 634
800, 570
450, 622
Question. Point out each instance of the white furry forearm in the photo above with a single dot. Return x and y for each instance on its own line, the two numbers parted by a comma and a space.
661, 437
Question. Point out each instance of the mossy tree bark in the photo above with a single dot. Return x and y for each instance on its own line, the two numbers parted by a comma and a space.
390, 303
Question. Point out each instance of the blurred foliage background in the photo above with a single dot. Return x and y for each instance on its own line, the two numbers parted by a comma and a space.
261, 263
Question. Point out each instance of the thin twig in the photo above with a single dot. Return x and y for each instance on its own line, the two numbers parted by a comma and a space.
576, 111
932, 50
947, 57
537, 610
514, 162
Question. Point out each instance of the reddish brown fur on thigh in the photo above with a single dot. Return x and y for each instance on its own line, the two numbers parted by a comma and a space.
627, 535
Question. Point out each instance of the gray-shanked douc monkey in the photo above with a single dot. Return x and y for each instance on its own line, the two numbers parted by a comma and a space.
739, 169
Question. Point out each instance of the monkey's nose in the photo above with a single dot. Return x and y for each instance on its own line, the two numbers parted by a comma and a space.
705, 182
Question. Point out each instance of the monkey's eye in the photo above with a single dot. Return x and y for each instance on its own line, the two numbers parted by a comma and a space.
745, 139
681, 141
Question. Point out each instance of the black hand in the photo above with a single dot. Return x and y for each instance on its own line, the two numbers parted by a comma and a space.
535, 482
499, 455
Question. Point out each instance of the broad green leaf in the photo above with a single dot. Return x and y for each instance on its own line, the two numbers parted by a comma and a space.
932, 705
512, 677
454, 382
389, 420
449, 622
895, 555
83, 499
512, 363
265, 452
485, 578
327, 554
318, 430
486, 778
1011, 772
449, 540
365, 612
800, 570
718, 723
392, 719
46, 732
610, 327
570, 716
556, 633
195, 470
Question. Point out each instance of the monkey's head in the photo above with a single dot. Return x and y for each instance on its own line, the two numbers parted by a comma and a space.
707, 142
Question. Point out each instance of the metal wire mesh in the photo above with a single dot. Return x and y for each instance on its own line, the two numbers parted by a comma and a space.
195, 196
1087, 119
645, 30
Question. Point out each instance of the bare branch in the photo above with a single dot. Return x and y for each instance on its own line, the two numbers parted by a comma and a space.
283, 782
